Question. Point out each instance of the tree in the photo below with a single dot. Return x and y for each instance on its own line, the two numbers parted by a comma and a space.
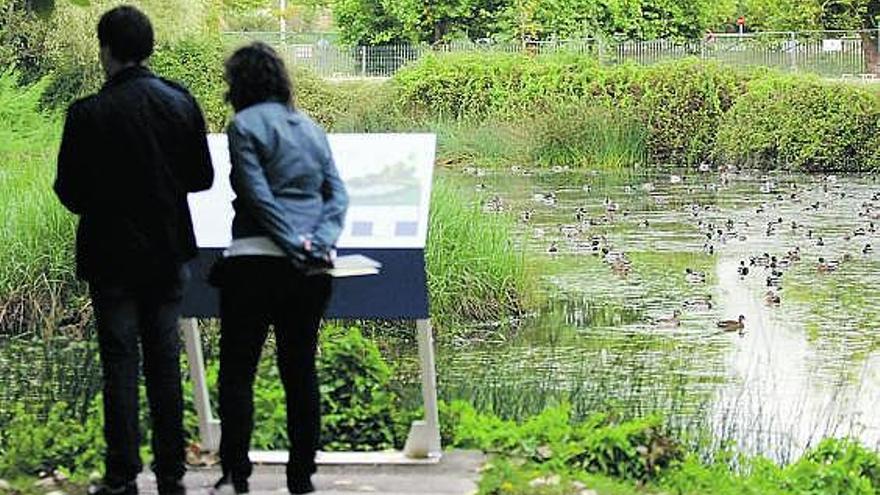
797, 15
630, 19
374, 22
431, 21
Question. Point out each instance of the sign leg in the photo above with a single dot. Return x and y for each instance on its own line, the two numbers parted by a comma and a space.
424, 436
209, 428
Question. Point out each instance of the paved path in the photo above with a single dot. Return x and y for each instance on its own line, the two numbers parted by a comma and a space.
456, 474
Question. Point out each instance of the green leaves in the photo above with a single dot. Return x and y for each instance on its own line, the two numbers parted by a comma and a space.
800, 123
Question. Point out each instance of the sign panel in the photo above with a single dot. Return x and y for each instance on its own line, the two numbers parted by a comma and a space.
388, 178
832, 45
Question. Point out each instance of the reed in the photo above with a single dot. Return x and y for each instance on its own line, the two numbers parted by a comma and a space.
475, 271
36, 261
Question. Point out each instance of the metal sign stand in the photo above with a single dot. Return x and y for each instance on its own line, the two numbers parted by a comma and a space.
422, 444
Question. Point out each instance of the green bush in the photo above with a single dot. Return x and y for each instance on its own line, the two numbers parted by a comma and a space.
357, 405
632, 450
801, 123
836, 466
680, 103
683, 104
197, 63
30, 443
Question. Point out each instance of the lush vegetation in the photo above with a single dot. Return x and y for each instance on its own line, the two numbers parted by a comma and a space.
678, 112
384, 21
488, 110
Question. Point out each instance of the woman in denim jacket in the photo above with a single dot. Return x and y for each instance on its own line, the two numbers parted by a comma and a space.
289, 209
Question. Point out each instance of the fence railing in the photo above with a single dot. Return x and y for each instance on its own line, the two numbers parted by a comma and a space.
836, 54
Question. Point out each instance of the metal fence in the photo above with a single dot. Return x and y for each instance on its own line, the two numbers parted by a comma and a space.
834, 54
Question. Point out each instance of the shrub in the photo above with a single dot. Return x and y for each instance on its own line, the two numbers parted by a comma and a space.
197, 63
32, 443
358, 410
683, 103
633, 450
801, 123
835, 466
459, 85
680, 103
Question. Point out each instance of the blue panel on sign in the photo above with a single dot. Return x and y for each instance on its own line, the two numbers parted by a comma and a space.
362, 229
406, 229
398, 292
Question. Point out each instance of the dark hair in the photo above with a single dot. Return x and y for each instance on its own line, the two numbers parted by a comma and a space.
256, 74
128, 33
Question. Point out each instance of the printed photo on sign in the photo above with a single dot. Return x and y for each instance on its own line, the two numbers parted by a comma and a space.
388, 178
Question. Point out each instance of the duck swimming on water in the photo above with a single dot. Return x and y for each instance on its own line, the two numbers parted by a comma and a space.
733, 325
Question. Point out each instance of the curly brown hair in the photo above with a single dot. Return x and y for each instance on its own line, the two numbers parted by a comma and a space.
256, 74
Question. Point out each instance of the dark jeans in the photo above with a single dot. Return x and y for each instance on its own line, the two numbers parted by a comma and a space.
258, 291
126, 313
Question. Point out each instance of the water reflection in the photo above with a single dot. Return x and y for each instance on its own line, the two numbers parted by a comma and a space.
804, 368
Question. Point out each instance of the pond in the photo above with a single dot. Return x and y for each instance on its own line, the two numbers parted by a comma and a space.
626, 327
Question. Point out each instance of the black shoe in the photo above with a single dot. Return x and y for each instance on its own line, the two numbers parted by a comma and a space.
104, 488
300, 485
230, 486
171, 486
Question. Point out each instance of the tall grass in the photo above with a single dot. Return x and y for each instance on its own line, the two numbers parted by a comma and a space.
475, 272
588, 135
36, 261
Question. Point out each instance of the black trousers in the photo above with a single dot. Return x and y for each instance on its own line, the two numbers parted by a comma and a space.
147, 312
256, 292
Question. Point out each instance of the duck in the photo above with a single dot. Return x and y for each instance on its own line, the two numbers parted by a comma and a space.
494, 205
526, 215
621, 267
694, 277
772, 298
732, 325
669, 321
549, 199
699, 303
867, 249
743, 270
610, 207
827, 266
569, 231
553, 248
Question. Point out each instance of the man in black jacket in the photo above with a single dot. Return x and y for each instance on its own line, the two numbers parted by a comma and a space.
128, 158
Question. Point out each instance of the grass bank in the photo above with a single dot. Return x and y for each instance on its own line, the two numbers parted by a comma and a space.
681, 112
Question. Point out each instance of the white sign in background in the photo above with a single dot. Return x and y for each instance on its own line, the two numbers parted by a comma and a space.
388, 178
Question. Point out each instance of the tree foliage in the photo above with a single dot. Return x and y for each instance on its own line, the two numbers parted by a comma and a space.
785, 15
431, 21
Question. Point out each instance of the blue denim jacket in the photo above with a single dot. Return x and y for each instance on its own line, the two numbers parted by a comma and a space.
285, 180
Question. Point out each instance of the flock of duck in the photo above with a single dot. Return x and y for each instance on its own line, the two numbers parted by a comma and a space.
718, 230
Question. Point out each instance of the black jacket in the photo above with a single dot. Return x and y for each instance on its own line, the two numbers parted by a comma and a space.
129, 156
